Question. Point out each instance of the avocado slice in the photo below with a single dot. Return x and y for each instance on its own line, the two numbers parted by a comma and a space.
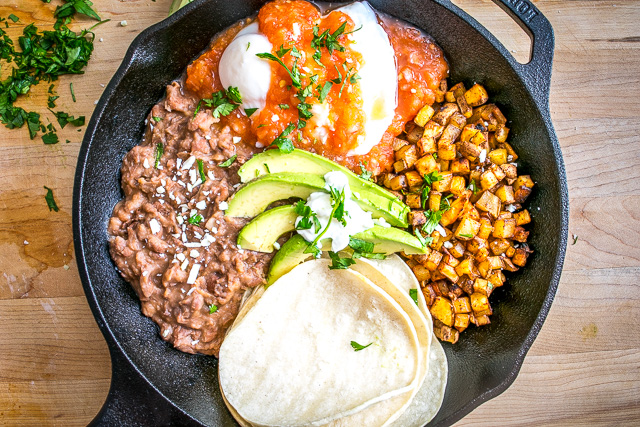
379, 201
290, 255
254, 197
263, 231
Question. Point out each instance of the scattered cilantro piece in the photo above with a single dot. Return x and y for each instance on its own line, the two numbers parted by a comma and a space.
293, 72
337, 201
266, 166
157, 119
424, 241
213, 308
223, 102
228, 162
73, 95
51, 101
309, 218
282, 142
324, 91
283, 106
65, 118
282, 51
51, 203
195, 220
473, 187
71, 7
468, 236
338, 263
14, 18
364, 173
358, 347
159, 153
575, 240
203, 177
359, 245
50, 138
413, 293
248, 44
250, 111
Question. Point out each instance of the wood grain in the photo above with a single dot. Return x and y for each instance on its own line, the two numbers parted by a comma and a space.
584, 368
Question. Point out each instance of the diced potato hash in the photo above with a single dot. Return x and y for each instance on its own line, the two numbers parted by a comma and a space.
457, 173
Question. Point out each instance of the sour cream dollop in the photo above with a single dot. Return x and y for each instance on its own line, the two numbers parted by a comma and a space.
357, 220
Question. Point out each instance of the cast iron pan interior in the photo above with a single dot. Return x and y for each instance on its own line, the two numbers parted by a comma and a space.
153, 384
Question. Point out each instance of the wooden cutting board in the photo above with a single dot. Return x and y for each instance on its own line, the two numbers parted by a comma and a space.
584, 368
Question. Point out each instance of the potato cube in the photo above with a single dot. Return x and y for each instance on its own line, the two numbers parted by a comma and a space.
496, 278
485, 228
498, 172
409, 154
466, 267
476, 95
446, 152
495, 262
520, 256
433, 260
520, 234
460, 166
444, 184
522, 217
421, 273
447, 334
449, 136
504, 228
429, 295
427, 145
461, 322
505, 194
510, 252
467, 229
483, 269
481, 320
490, 203
468, 132
426, 164
479, 302
501, 133
508, 265
482, 286
387, 178
462, 305
487, 312
457, 249
458, 185
414, 180
498, 156
509, 170
487, 180
458, 120
455, 209
399, 143
417, 218
433, 130
446, 110
449, 259
442, 310
413, 200
521, 194
470, 151
499, 246
523, 181
398, 182
470, 211
399, 166
497, 114
511, 154
448, 271
434, 200
424, 115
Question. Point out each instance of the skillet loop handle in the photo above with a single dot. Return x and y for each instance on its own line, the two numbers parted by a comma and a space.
537, 72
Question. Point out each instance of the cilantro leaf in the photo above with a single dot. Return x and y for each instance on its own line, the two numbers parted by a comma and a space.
228, 162
159, 153
50, 138
413, 293
65, 118
282, 142
364, 173
293, 72
195, 220
338, 263
203, 177
223, 102
250, 111
358, 347
51, 203
322, 94
359, 245
213, 308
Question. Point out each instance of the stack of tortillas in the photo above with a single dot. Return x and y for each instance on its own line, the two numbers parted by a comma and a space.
334, 347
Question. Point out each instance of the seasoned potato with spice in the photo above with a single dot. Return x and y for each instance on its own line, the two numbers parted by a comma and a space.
456, 170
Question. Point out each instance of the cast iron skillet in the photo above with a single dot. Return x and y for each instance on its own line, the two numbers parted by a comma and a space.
152, 383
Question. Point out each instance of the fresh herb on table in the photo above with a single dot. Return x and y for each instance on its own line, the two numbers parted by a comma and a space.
282, 142
73, 94
358, 347
51, 203
159, 153
413, 293
65, 12
195, 220
228, 162
223, 102
200, 164
65, 118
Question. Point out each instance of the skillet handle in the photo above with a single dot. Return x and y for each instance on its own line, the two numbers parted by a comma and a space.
133, 402
537, 72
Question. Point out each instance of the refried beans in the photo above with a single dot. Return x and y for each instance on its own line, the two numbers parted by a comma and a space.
170, 238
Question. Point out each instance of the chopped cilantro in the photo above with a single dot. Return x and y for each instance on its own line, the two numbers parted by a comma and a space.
250, 111
293, 72
358, 347
468, 236
364, 173
266, 166
200, 164
64, 119
51, 203
228, 162
282, 142
473, 187
213, 308
157, 119
14, 18
283, 106
195, 220
324, 91
282, 51
223, 102
413, 293
50, 138
159, 153
338, 263
309, 218
73, 94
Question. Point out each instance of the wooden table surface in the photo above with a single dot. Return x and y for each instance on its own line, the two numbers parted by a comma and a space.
584, 368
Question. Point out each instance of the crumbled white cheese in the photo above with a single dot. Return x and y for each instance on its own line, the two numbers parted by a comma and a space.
483, 156
191, 290
26, 242
211, 176
193, 274
223, 206
193, 213
441, 230
192, 245
160, 190
180, 256
123, 23
178, 163
236, 139
510, 208
296, 29
155, 226
189, 162
192, 176
201, 205
194, 254
146, 164
145, 273
259, 145
184, 265
275, 118
276, 245
447, 244
163, 182
189, 187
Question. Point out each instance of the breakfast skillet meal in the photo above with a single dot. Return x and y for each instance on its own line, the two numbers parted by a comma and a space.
272, 189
